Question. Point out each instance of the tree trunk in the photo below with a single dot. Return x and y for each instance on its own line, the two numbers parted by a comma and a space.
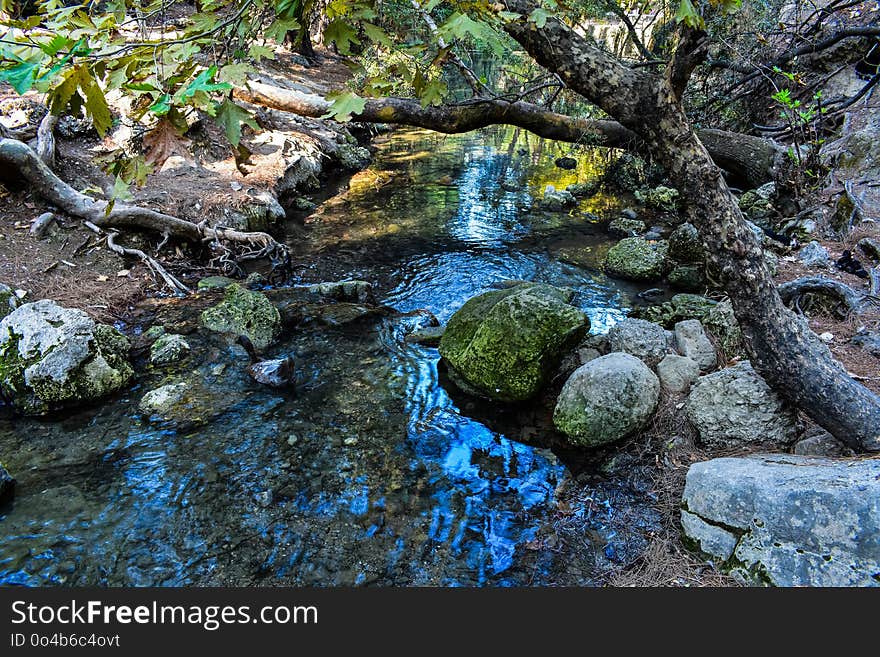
781, 346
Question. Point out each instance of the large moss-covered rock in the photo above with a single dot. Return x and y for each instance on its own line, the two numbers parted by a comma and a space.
503, 344
51, 357
605, 400
637, 259
243, 312
721, 323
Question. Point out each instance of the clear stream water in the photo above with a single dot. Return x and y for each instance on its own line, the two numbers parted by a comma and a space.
376, 471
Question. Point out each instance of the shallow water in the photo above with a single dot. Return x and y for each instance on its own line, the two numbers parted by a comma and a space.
377, 471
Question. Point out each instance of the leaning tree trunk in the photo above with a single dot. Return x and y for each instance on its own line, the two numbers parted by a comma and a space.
781, 346
779, 343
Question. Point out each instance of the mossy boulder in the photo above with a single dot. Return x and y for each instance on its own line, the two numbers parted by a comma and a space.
637, 259
243, 312
168, 348
721, 323
503, 344
52, 357
680, 307
660, 198
757, 204
626, 227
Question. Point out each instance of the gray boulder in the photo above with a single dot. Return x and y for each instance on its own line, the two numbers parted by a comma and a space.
51, 357
735, 407
606, 400
788, 520
168, 348
504, 344
820, 443
677, 373
869, 341
691, 340
644, 340
721, 323
814, 255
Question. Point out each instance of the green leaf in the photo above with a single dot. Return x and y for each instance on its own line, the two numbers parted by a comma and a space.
202, 83
539, 17
61, 95
344, 104
55, 45
21, 76
96, 105
120, 191
342, 34
236, 74
433, 93
258, 52
377, 35
230, 117
162, 106
280, 27
689, 15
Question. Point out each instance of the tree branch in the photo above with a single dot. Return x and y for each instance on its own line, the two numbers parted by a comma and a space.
748, 158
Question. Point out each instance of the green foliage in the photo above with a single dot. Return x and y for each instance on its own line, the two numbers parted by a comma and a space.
344, 104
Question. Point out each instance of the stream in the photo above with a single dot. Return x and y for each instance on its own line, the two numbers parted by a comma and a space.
376, 470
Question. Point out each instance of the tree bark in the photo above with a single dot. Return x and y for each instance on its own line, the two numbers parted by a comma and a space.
781, 346
747, 158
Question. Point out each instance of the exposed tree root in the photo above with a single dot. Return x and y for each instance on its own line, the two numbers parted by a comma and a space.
20, 160
46, 139
848, 300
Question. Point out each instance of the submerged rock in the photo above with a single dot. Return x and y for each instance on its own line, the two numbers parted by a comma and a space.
503, 344
557, 199
637, 259
787, 520
359, 291
7, 485
735, 407
243, 312
51, 357
429, 336
568, 163
188, 402
606, 400
278, 373
646, 341
168, 348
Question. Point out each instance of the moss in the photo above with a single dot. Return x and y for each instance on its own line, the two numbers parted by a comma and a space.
503, 344
687, 277
243, 312
637, 259
661, 198
679, 308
